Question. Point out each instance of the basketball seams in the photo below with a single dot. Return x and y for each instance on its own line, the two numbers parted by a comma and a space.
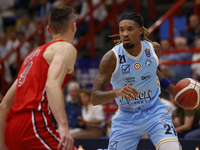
191, 83
197, 92
182, 90
196, 89
185, 85
189, 98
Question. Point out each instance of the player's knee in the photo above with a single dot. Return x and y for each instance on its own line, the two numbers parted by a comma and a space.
169, 145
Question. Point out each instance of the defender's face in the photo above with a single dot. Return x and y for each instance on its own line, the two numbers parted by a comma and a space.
130, 33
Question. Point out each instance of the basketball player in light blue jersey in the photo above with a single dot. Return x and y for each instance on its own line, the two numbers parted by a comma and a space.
131, 66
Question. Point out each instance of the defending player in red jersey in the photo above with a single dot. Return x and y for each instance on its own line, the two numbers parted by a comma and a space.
25, 120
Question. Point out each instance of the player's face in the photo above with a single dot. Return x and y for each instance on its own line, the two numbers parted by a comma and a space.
84, 98
129, 32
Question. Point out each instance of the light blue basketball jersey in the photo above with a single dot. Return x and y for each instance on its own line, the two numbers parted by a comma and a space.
145, 115
140, 73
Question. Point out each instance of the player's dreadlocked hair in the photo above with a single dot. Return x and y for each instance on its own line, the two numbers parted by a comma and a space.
138, 19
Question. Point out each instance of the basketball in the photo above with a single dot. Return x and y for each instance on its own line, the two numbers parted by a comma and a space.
186, 93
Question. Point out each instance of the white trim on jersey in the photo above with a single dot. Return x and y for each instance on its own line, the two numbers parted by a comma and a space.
48, 108
36, 133
117, 63
154, 54
46, 125
131, 56
40, 104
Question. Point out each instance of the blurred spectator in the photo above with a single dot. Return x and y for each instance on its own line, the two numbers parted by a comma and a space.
193, 134
37, 40
1, 24
167, 70
180, 71
1, 96
100, 13
165, 44
108, 4
196, 57
58, 2
73, 107
37, 22
3, 42
92, 118
25, 49
21, 4
72, 79
6, 11
194, 32
34, 9
80, 10
171, 103
11, 44
3, 53
185, 120
34, 42
45, 8
27, 26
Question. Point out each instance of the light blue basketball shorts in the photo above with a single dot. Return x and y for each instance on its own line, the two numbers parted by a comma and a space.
128, 128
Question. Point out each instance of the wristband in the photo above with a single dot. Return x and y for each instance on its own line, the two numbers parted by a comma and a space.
164, 83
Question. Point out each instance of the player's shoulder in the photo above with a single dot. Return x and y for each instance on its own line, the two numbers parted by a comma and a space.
62, 49
117, 46
110, 55
157, 48
62, 45
156, 44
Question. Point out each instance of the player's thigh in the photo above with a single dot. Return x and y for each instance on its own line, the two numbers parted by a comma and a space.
125, 138
161, 129
123, 141
30, 131
126, 132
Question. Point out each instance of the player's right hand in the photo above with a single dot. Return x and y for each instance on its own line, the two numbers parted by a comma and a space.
128, 92
66, 140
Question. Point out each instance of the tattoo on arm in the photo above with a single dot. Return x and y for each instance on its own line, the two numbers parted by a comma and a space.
99, 94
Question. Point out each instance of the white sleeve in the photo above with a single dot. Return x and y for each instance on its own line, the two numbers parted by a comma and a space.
99, 113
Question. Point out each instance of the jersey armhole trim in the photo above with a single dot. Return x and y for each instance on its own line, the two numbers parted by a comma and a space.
154, 54
117, 63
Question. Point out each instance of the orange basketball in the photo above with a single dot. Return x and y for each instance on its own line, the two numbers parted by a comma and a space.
186, 93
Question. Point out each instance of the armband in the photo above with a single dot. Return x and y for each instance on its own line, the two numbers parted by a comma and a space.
164, 83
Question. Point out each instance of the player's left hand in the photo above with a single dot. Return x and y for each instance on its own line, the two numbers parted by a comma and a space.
66, 140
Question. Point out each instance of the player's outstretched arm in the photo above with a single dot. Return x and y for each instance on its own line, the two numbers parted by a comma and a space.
99, 94
62, 63
5, 107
